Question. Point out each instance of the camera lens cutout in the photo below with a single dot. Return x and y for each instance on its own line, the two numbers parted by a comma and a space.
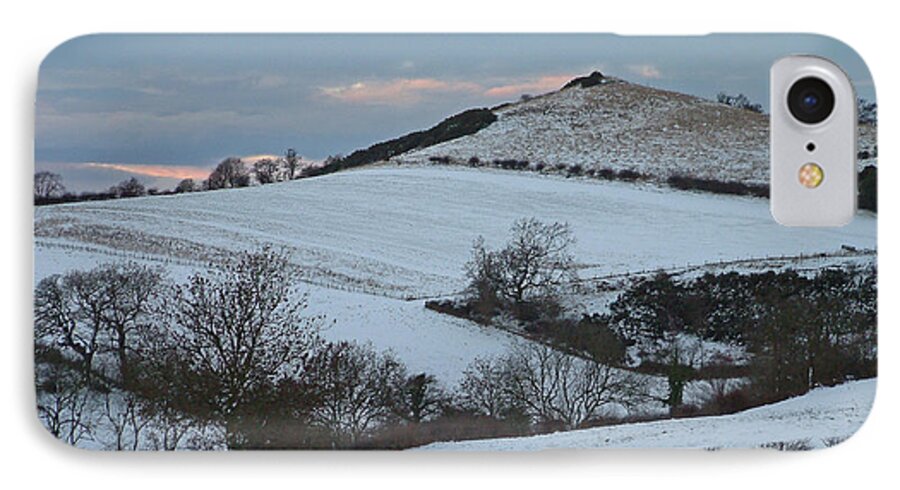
810, 100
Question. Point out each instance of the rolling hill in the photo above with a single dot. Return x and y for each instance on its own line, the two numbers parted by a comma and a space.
610, 125
367, 242
620, 125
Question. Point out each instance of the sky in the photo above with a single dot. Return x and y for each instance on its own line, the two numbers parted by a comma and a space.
166, 107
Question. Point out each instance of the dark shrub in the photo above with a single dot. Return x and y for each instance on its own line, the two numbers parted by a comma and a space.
511, 164
629, 175
732, 402
589, 336
595, 78
717, 186
606, 173
450, 307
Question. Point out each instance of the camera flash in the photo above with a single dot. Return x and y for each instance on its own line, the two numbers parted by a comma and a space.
811, 175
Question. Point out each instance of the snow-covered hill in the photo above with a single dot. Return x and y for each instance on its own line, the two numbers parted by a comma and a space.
406, 232
367, 241
821, 418
620, 125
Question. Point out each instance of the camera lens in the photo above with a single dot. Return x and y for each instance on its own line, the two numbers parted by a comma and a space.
810, 100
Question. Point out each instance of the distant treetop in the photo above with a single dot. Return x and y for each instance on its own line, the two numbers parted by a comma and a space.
739, 101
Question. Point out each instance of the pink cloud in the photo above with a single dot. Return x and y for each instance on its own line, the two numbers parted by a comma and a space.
162, 171
412, 90
543, 84
251, 159
398, 91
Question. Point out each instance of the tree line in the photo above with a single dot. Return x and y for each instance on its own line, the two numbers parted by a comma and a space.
230, 358
231, 172
800, 330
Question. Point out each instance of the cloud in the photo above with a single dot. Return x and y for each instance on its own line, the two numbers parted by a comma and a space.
646, 71
413, 90
543, 84
172, 171
251, 159
397, 91
160, 171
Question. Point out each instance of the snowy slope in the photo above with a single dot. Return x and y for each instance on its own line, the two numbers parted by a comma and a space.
406, 232
364, 241
816, 419
621, 125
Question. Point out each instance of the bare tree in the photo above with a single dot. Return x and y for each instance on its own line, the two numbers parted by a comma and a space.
62, 398
534, 262
130, 292
186, 185
419, 398
129, 188
121, 411
88, 312
553, 386
267, 171
47, 185
168, 431
537, 258
292, 160
242, 326
68, 312
482, 389
354, 386
172, 393
230, 173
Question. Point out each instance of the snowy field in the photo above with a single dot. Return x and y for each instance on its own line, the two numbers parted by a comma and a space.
370, 244
821, 418
406, 232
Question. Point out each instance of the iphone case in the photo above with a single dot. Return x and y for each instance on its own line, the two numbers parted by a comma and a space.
454, 242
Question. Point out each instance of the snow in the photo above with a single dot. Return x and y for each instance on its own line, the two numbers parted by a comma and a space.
371, 244
406, 232
425, 340
621, 125
819, 419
